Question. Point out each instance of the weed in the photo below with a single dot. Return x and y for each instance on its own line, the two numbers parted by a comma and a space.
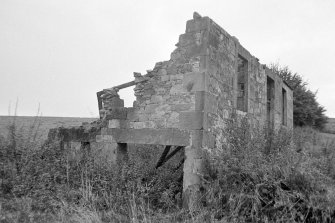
256, 176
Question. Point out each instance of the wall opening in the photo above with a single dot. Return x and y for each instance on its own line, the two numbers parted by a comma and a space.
270, 86
242, 84
167, 159
284, 107
127, 94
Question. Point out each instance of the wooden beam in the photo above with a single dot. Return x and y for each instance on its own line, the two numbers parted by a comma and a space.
125, 85
162, 158
166, 157
173, 153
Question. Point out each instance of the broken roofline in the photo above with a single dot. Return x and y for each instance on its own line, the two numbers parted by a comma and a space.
202, 75
187, 101
122, 86
145, 77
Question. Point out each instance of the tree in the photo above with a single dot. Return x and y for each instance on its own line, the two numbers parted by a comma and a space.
306, 110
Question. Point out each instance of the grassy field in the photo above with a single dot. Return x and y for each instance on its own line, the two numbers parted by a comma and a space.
330, 126
327, 137
258, 177
46, 123
43, 123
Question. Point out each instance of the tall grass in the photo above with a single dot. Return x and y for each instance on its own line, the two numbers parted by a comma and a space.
262, 177
49, 182
257, 176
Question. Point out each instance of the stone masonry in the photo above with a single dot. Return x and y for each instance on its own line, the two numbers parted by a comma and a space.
186, 101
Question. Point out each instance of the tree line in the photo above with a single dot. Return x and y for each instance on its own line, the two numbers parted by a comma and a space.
306, 109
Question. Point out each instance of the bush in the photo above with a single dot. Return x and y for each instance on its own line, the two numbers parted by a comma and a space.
267, 176
306, 109
44, 175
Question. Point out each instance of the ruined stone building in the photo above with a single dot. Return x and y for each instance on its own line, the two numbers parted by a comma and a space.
184, 102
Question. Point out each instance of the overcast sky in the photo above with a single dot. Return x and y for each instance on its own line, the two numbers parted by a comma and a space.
59, 53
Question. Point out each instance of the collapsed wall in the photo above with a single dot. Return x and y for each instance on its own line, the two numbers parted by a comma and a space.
187, 100
208, 76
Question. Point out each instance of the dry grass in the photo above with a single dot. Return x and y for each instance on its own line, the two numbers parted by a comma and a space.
250, 179
330, 126
44, 123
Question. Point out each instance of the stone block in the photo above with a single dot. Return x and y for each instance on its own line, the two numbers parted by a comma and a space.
137, 125
148, 92
103, 131
193, 169
186, 39
182, 107
161, 91
156, 99
142, 125
78, 134
200, 100
176, 77
162, 111
75, 146
104, 138
207, 102
150, 124
117, 102
117, 123
177, 89
191, 120
117, 113
185, 68
173, 120
160, 122
195, 50
162, 72
202, 138
143, 117
199, 63
133, 115
104, 152
210, 120
165, 78
208, 140
151, 108
168, 136
213, 40
195, 81
197, 138
74, 151
196, 25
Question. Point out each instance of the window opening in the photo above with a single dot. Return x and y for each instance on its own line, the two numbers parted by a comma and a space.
242, 81
270, 85
284, 107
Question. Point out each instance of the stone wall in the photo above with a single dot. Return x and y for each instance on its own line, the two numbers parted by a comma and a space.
200, 86
187, 100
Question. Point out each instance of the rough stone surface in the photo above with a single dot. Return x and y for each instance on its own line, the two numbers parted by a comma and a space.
187, 100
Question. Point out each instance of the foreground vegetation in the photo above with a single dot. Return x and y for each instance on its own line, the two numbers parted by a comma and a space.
256, 177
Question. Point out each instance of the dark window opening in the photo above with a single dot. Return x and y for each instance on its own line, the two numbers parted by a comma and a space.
270, 86
242, 87
284, 107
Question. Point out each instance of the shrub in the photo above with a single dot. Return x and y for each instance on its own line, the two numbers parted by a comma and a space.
44, 175
256, 176
306, 109
266, 176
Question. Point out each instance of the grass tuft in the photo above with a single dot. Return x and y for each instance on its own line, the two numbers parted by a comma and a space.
256, 176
